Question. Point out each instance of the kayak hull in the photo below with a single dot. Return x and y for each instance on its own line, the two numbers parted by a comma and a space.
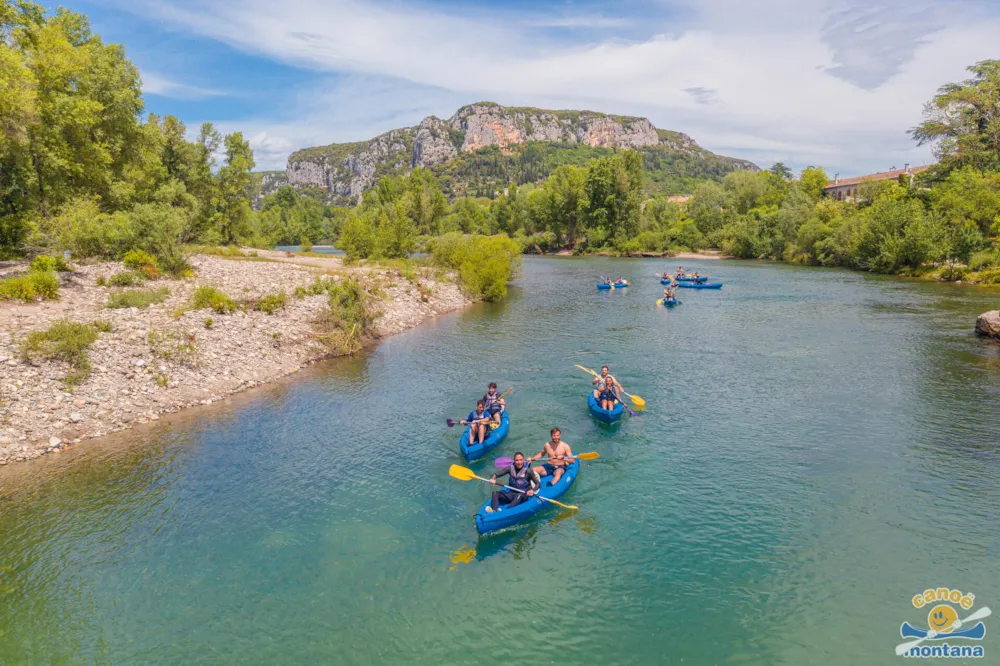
700, 285
670, 304
692, 279
491, 522
662, 281
491, 442
605, 415
603, 286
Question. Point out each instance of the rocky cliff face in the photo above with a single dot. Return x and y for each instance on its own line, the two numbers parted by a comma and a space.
345, 171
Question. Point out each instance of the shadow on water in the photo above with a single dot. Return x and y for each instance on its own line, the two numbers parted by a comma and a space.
520, 540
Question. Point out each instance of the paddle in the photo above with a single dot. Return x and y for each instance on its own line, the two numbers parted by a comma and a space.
903, 648
452, 422
466, 474
639, 402
593, 455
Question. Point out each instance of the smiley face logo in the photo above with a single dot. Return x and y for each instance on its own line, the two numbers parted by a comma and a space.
941, 618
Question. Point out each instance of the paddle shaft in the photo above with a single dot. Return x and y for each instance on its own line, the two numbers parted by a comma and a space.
516, 490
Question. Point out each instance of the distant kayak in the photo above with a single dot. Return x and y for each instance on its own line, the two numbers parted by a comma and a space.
606, 415
505, 517
700, 285
617, 285
492, 441
662, 281
692, 279
670, 303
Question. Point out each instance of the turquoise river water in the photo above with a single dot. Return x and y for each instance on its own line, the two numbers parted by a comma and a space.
818, 447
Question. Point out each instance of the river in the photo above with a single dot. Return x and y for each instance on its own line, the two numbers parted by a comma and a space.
818, 447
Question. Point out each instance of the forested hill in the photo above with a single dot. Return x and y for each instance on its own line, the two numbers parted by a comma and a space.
484, 147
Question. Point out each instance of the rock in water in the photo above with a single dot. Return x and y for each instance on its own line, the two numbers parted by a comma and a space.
988, 323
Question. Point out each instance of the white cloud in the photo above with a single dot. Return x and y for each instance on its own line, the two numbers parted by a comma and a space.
154, 84
802, 81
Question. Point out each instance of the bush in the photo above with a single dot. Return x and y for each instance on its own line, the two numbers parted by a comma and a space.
485, 264
126, 279
208, 322
137, 260
173, 346
44, 286
985, 259
102, 325
65, 341
347, 325
137, 298
210, 297
44, 263
305, 245
272, 303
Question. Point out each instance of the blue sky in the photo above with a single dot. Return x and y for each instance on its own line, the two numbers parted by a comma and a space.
829, 82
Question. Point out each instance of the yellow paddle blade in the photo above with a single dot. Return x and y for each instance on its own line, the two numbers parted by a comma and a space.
587, 370
659, 301
565, 506
461, 473
593, 455
638, 402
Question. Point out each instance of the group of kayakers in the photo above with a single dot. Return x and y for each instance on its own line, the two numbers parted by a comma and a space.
670, 290
608, 280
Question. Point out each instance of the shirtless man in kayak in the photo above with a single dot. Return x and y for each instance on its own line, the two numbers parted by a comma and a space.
599, 382
558, 452
521, 477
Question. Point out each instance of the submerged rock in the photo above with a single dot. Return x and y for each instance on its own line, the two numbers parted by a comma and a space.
988, 324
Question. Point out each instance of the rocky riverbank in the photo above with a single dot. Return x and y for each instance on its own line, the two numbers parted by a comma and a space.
163, 358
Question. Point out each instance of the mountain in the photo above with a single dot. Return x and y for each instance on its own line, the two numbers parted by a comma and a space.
484, 147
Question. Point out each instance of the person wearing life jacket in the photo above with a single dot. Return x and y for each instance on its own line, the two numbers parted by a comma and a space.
520, 478
680, 271
559, 454
599, 382
494, 403
669, 293
608, 395
477, 421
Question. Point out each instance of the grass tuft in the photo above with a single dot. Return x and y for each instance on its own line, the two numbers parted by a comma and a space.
65, 341
137, 298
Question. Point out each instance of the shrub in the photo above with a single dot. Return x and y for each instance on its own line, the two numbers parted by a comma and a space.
272, 303
65, 341
137, 260
44, 286
102, 325
137, 298
300, 292
173, 346
44, 263
208, 322
485, 264
305, 244
101, 281
126, 279
347, 325
985, 259
210, 297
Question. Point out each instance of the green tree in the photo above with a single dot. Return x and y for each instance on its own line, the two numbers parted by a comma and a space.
963, 121
780, 170
812, 181
236, 188
614, 195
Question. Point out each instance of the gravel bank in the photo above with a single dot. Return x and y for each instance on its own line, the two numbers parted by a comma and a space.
154, 362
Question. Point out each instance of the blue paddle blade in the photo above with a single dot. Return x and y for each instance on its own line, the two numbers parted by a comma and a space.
451, 423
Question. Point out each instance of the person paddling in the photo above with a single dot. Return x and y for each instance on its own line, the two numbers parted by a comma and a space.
608, 395
494, 403
558, 452
670, 293
477, 423
599, 382
521, 477
680, 271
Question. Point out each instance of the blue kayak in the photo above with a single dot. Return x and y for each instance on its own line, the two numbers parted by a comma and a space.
662, 281
670, 303
700, 285
608, 416
617, 285
692, 279
491, 442
505, 517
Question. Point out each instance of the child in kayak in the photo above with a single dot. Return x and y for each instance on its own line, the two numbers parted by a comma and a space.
558, 452
477, 421
608, 396
521, 477
494, 403
670, 293
599, 382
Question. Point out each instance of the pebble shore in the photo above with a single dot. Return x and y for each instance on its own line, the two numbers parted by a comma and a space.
155, 362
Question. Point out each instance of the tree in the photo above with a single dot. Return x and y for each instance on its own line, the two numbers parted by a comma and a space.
779, 169
236, 188
812, 181
963, 121
614, 195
